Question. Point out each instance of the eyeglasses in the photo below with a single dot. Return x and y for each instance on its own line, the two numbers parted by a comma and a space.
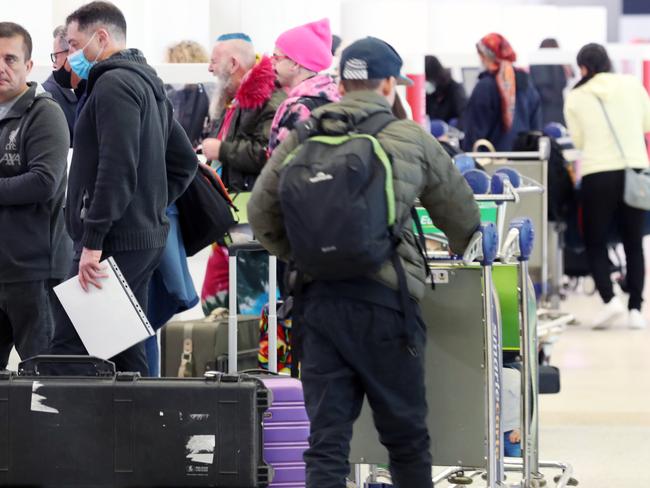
54, 55
279, 57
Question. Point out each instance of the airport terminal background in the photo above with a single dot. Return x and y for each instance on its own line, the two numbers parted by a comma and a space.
600, 421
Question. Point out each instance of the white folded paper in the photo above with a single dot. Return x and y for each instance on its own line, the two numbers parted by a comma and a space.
108, 320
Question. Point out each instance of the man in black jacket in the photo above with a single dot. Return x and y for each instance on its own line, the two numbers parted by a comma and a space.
130, 161
59, 83
34, 248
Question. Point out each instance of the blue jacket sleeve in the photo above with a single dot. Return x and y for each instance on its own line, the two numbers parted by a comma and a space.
181, 162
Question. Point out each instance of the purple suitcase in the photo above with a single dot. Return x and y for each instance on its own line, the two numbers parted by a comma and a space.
286, 432
286, 425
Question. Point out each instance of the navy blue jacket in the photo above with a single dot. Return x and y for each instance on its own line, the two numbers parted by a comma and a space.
550, 81
67, 100
483, 120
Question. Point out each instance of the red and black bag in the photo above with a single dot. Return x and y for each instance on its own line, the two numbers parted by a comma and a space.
204, 210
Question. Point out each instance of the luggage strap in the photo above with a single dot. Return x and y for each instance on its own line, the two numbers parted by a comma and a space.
186, 367
296, 326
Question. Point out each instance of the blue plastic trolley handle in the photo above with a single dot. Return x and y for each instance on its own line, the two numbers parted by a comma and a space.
490, 243
526, 236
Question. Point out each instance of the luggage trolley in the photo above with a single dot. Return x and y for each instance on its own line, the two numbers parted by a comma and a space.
518, 247
449, 417
533, 167
464, 362
546, 262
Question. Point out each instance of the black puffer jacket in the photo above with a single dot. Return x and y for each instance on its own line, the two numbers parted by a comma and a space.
244, 147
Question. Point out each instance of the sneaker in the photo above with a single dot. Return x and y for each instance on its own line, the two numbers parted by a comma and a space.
612, 309
636, 320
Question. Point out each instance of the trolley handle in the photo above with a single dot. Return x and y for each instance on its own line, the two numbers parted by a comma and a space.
483, 245
543, 152
248, 246
519, 242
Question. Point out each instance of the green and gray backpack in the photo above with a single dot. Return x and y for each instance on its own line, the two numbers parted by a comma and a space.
337, 199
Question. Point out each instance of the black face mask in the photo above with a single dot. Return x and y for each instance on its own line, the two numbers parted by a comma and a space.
63, 77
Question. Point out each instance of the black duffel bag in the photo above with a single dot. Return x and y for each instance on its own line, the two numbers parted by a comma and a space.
204, 211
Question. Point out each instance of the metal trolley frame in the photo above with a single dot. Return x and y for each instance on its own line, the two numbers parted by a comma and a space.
493, 463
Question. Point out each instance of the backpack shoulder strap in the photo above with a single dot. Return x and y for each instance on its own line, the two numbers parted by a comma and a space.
313, 102
375, 123
306, 129
371, 125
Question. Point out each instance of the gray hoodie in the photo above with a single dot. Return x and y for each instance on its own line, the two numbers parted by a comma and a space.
34, 141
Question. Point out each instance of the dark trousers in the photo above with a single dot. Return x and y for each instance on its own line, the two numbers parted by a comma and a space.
137, 268
25, 319
353, 349
604, 209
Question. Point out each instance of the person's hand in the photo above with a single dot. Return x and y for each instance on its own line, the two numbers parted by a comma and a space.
515, 436
211, 148
90, 271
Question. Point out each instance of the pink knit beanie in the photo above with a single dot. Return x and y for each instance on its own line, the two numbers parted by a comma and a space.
309, 45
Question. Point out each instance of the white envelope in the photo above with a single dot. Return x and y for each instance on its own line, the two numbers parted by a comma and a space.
108, 320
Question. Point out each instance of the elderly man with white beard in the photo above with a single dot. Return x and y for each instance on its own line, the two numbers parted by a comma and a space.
246, 100
244, 104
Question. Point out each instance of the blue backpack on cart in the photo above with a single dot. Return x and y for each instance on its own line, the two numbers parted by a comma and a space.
337, 198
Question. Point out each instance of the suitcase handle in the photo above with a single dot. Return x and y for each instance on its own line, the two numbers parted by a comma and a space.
30, 366
232, 305
260, 372
249, 246
220, 377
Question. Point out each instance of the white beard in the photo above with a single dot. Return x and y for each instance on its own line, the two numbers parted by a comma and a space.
217, 102
220, 97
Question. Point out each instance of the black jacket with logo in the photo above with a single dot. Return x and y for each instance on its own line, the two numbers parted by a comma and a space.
131, 159
34, 142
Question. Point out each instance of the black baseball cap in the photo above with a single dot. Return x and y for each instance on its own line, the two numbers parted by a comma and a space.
371, 59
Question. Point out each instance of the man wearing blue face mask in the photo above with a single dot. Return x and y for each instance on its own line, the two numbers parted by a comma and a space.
131, 160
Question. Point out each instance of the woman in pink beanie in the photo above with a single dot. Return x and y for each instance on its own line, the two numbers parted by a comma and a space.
309, 45
300, 54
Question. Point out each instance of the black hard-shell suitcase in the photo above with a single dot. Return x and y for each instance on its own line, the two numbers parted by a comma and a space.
120, 430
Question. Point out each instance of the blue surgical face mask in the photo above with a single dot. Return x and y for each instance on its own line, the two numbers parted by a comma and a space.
80, 64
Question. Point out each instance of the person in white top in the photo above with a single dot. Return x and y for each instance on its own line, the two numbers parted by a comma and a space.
608, 147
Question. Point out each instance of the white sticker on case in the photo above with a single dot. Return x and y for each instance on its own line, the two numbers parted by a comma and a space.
200, 449
38, 400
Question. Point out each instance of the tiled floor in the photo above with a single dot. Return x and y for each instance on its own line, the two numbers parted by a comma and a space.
600, 422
